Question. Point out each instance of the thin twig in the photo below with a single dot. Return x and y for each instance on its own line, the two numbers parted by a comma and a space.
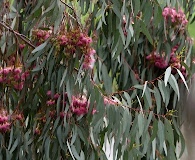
76, 17
21, 36
67, 5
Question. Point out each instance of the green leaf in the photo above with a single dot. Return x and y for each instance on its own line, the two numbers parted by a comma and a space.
47, 147
158, 99
70, 150
14, 145
116, 11
161, 134
148, 121
11, 138
60, 137
182, 77
129, 36
106, 79
125, 119
40, 47
154, 148
148, 97
137, 7
167, 75
160, 85
154, 130
145, 85
75, 153
141, 124
169, 133
172, 81
128, 98
146, 32
74, 135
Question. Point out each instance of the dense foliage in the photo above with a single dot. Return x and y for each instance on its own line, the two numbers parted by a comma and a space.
79, 75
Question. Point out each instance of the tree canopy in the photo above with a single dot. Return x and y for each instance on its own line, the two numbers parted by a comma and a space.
76, 75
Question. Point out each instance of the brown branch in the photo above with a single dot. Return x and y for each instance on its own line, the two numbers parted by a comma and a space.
67, 5
21, 36
75, 15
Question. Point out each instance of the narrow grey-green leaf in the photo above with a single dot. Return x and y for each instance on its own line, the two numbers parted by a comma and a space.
146, 32
182, 77
158, 99
167, 75
160, 85
70, 150
145, 85
40, 47
172, 81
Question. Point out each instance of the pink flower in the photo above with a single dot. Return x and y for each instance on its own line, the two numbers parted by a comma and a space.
3, 119
79, 105
52, 114
49, 93
56, 96
19, 117
37, 131
109, 101
175, 17
6, 70
62, 114
94, 111
5, 127
1, 79
17, 77
89, 62
63, 40
149, 57
50, 102
92, 52
17, 70
21, 46
19, 86
88, 40
25, 75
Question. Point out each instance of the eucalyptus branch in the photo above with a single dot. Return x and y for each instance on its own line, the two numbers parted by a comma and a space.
76, 17
21, 36
67, 5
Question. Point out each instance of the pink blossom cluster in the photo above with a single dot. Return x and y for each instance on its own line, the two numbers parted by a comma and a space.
175, 62
41, 35
161, 62
22, 46
52, 98
175, 16
4, 122
79, 105
76, 40
109, 101
13, 76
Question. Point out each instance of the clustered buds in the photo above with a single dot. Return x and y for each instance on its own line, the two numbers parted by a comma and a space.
13, 76
175, 62
41, 35
109, 101
22, 46
176, 17
79, 105
52, 98
77, 40
4, 122
161, 62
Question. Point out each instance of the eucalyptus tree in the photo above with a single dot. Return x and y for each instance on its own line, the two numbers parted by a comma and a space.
79, 75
